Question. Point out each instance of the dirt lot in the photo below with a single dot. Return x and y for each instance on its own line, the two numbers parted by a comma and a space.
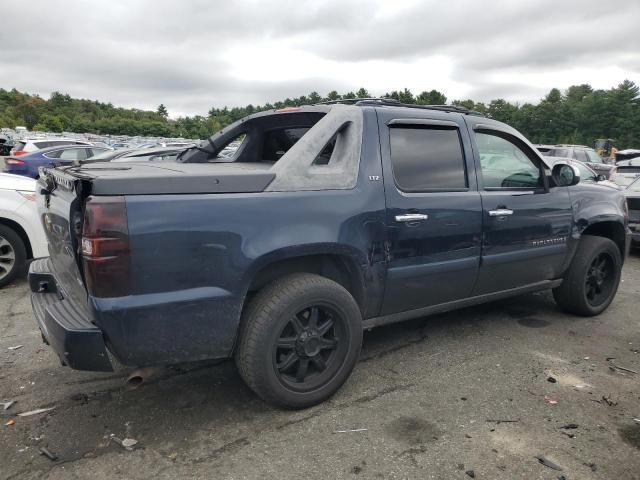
432, 398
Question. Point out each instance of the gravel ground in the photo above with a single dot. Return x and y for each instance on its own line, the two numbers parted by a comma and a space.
446, 397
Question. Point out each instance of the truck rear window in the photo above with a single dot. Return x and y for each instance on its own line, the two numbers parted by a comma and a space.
278, 142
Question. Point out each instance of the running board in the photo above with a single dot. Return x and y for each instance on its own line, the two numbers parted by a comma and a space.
466, 302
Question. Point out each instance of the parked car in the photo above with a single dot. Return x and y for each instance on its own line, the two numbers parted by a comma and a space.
179, 144
583, 154
543, 149
626, 171
29, 164
586, 174
627, 154
118, 146
101, 144
22, 147
330, 219
110, 155
6, 144
159, 154
632, 192
21, 234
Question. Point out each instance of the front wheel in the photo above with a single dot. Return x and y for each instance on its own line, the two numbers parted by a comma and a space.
300, 338
12, 255
591, 282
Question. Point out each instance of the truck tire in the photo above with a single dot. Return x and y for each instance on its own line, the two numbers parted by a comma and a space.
13, 255
300, 338
591, 282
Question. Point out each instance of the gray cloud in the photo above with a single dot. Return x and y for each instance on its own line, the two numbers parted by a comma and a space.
143, 53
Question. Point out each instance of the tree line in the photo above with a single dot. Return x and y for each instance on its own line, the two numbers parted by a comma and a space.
578, 115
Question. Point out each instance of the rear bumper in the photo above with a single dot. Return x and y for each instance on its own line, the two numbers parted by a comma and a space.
65, 326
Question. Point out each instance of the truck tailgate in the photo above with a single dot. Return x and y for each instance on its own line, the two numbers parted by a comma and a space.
61, 215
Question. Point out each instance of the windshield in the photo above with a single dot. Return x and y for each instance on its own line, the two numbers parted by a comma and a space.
594, 157
586, 174
635, 186
624, 180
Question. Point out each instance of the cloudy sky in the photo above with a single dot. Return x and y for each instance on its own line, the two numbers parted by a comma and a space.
191, 55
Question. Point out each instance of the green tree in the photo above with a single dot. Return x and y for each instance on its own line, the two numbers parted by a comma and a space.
434, 97
162, 111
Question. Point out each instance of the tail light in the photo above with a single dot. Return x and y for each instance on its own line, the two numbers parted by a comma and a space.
105, 247
13, 161
19, 152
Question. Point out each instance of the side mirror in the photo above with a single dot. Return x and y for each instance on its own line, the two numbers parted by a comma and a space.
600, 178
565, 175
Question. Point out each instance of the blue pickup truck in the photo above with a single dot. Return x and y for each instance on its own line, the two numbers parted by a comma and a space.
320, 222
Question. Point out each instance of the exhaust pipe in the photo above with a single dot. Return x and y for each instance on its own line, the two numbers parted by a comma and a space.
143, 375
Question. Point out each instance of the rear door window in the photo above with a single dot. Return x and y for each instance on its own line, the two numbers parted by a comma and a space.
580, 155
427, 159
43, 144
73, 154
559, 152
53, 154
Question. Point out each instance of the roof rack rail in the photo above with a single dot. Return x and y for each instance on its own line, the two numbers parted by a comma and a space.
392, 102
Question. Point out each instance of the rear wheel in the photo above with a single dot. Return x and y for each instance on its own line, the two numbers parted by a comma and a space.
591, 282
300, 339
12, 255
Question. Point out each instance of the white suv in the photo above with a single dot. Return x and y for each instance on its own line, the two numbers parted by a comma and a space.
21, 233
31, 145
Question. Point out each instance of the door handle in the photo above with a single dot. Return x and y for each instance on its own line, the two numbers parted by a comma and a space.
411, 217
500, 212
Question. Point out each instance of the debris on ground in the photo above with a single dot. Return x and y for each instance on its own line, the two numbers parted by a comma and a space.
499, 421
550, 400
7, 405
35, 412
127, 443
615, 367
17, 347
10, 422
609, 401
548, 463
570, 435
551, 379
570, 426
471, 473
351, 431
47, 453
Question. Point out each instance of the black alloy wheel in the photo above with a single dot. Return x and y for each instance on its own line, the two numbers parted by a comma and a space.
309, 350
600, 279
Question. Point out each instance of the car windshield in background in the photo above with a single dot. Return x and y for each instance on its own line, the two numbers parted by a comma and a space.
625, 180
150, 155
586, 174
635, 186
593, 157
